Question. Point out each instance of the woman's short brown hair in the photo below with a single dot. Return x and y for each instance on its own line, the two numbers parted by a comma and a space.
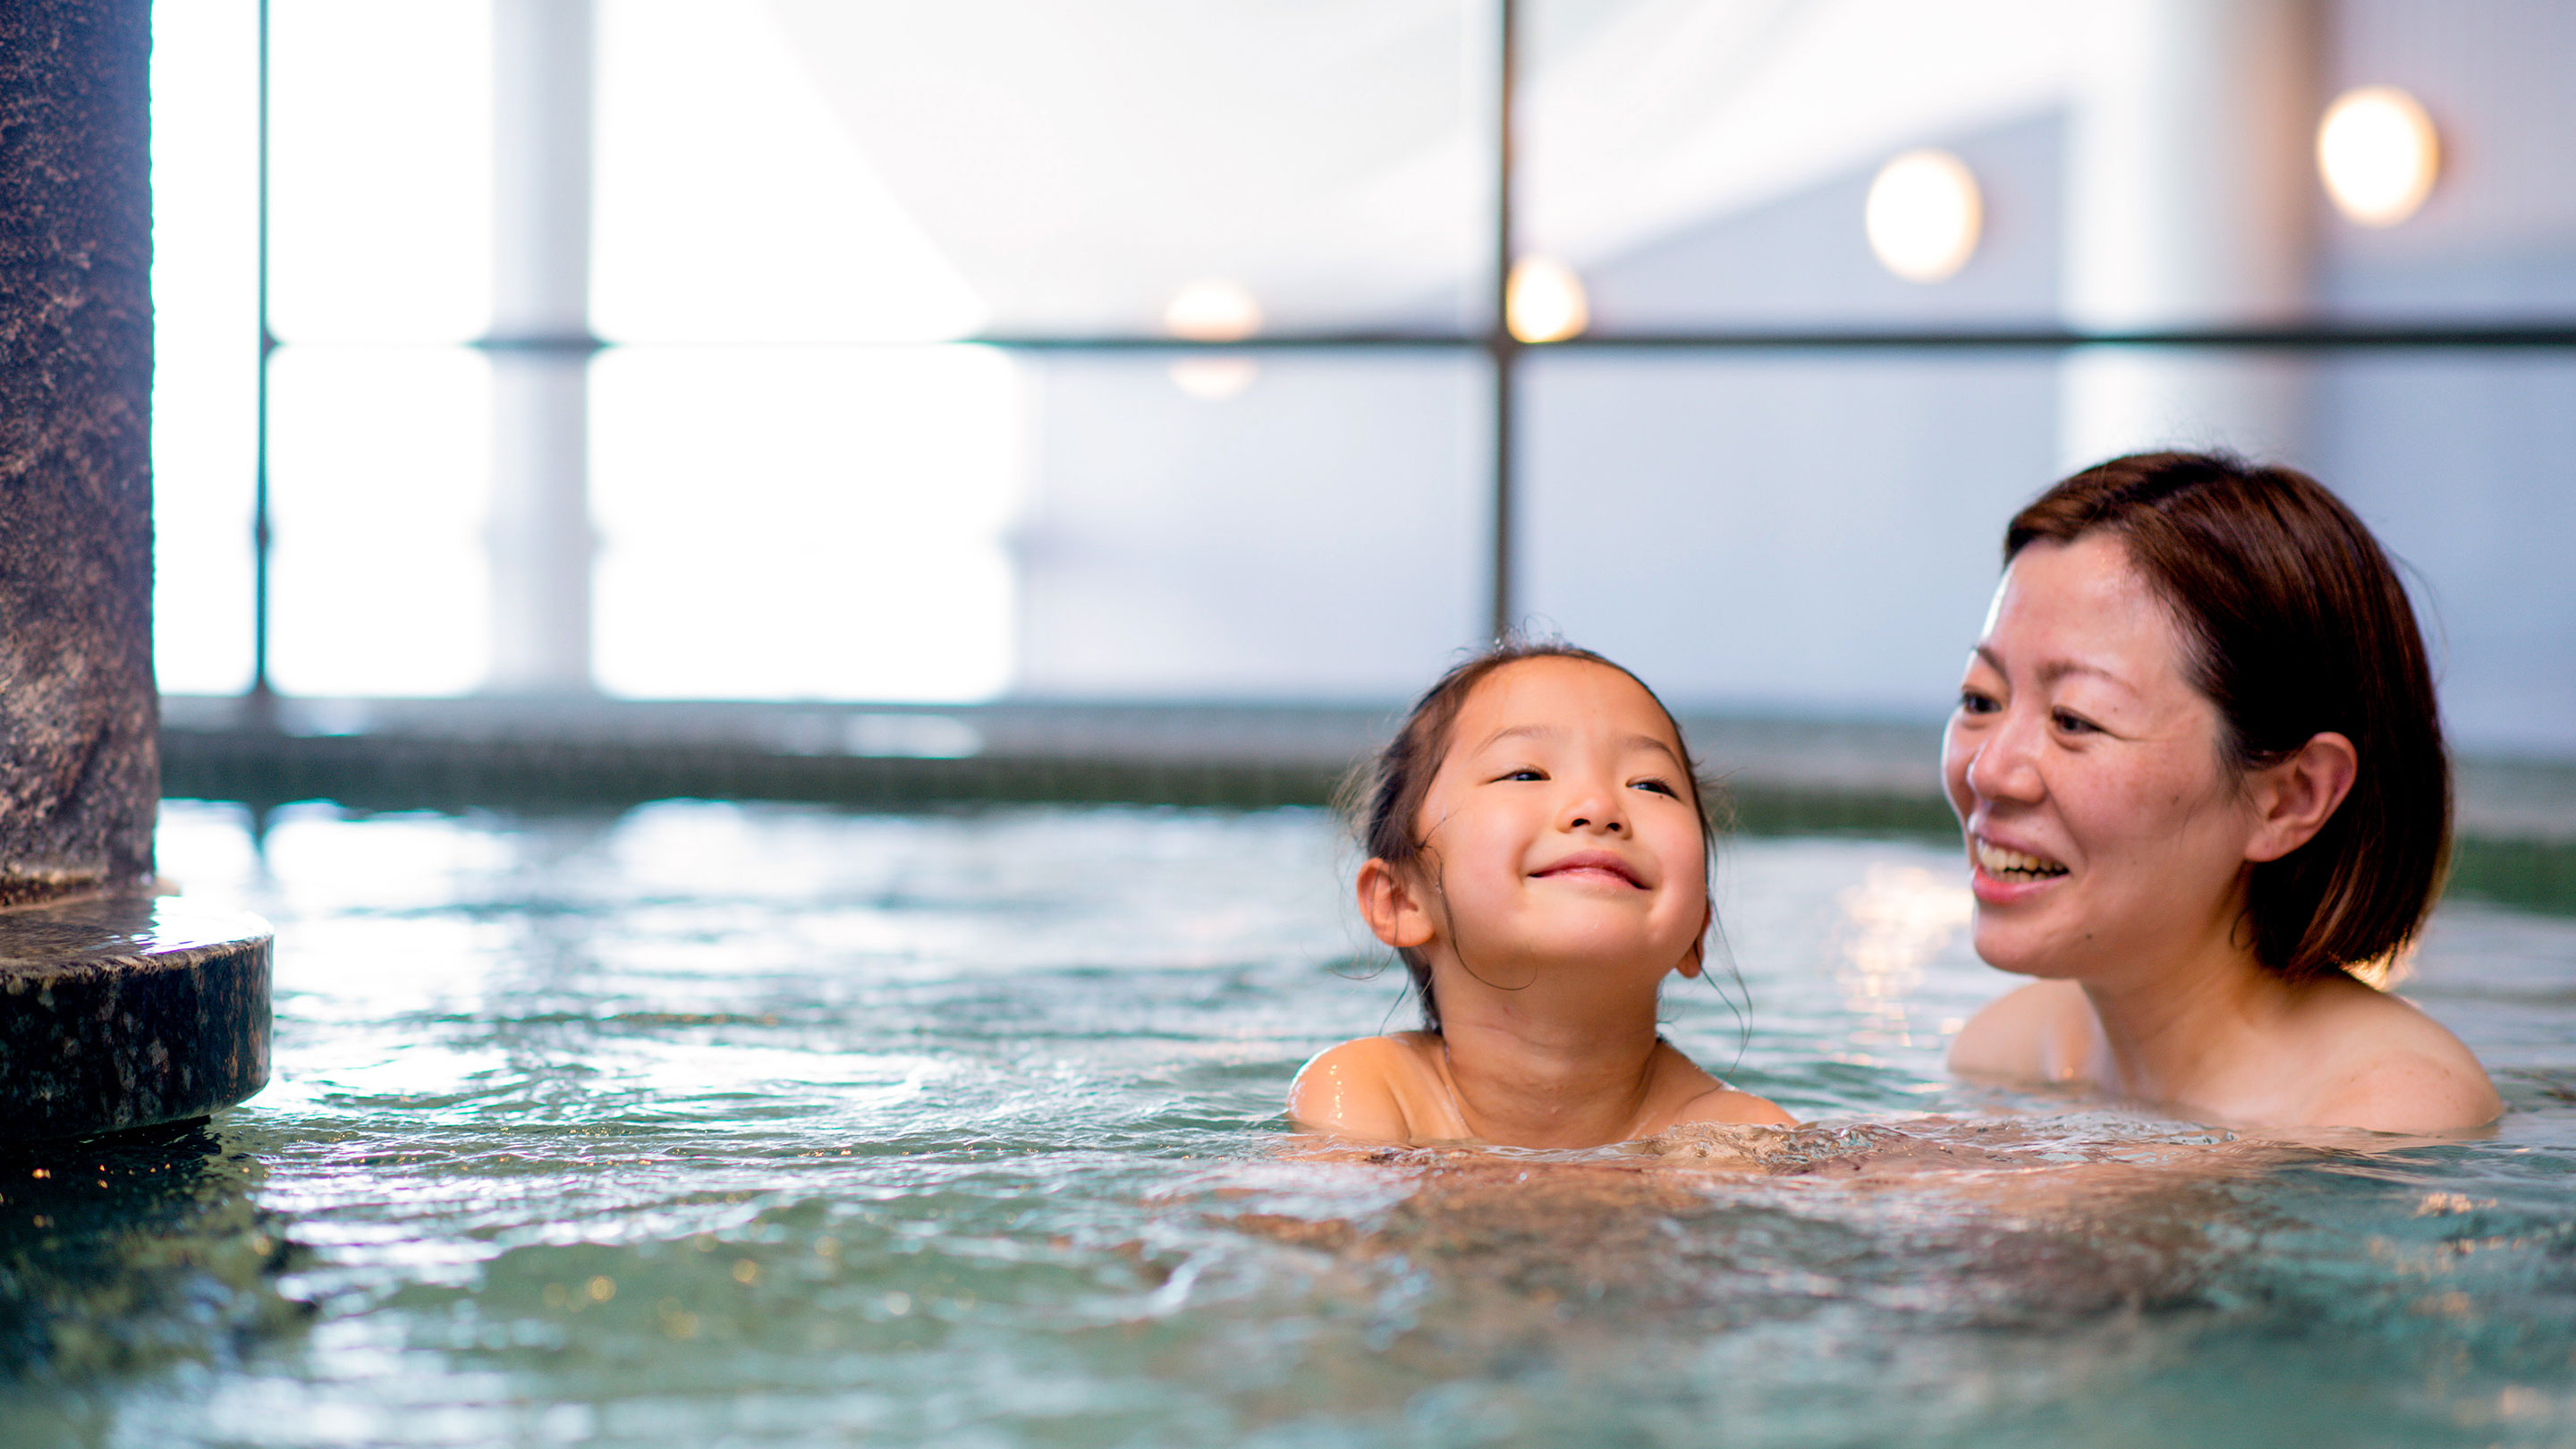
2298, 626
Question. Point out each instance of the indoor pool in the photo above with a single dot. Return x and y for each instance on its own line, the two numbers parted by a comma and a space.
708, 1124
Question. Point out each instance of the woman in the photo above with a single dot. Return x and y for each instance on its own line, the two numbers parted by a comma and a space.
2198, 763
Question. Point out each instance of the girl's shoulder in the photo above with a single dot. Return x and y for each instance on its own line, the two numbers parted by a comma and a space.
1400, 1054
1736, 1108
1700, 1097
1378, 1089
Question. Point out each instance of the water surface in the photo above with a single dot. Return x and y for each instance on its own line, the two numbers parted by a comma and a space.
708, 1124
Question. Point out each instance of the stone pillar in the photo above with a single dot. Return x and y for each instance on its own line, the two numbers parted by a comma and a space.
542, 539
80, 772
117, 1009
2190, 203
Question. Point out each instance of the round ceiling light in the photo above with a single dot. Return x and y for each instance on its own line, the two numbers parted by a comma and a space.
1213, 310
1544, 301
2378, 154
1924, 215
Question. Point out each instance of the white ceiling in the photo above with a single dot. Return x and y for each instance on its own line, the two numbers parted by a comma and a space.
1077, 164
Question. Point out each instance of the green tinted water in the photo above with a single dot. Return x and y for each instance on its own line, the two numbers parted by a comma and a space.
718, 1125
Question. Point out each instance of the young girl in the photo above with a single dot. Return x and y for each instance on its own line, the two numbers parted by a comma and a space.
1538, 856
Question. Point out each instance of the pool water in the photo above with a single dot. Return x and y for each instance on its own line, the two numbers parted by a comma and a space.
709, 1124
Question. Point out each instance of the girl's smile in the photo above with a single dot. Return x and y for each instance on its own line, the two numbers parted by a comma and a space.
1561, 828
1597, 866
1539, 860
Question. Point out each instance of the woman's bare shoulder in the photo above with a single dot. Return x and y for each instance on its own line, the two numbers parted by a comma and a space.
2388, 1067
1360, 1088
2042, 1032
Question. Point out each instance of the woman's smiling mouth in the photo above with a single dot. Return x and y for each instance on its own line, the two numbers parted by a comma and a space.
2013, 865
1598, 865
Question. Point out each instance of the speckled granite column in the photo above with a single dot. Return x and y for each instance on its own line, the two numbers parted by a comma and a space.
112, 1014
78, 713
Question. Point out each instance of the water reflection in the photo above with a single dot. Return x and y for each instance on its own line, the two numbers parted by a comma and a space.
132, 1251
1895, 920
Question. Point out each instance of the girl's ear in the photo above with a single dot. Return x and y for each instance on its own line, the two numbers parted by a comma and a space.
1697, 959
1392, 907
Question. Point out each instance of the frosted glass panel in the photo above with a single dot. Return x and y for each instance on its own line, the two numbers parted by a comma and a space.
380, 480
746, 213
1814, 534
381, 169
2497, 237
205, 333
1305, 526
804, 523
850, 169
2459, 463
1708, 165
1820, 533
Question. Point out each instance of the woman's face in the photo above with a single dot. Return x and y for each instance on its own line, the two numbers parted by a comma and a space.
2106, 836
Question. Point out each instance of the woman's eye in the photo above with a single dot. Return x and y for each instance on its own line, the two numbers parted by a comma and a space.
2073, 724
1976, 701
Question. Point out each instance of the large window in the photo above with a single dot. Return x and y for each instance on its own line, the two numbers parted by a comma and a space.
853, 350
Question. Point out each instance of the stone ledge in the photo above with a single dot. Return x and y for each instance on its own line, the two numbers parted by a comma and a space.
121, 1011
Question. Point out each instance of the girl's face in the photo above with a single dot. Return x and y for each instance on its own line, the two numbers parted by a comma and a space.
1560, 827
2106, 835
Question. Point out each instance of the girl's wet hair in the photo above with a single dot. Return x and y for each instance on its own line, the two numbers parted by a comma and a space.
1384, 797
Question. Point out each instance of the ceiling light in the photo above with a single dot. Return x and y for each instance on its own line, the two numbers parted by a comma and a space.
2378, 154
1544, 301
1924, 215
1213, 310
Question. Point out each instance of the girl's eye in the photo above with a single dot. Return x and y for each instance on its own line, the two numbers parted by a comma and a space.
1658, 786
1526, 775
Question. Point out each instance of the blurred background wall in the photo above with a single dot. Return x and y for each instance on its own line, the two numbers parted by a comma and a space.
796, 349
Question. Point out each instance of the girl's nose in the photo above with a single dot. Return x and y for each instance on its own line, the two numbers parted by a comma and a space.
1596, 808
